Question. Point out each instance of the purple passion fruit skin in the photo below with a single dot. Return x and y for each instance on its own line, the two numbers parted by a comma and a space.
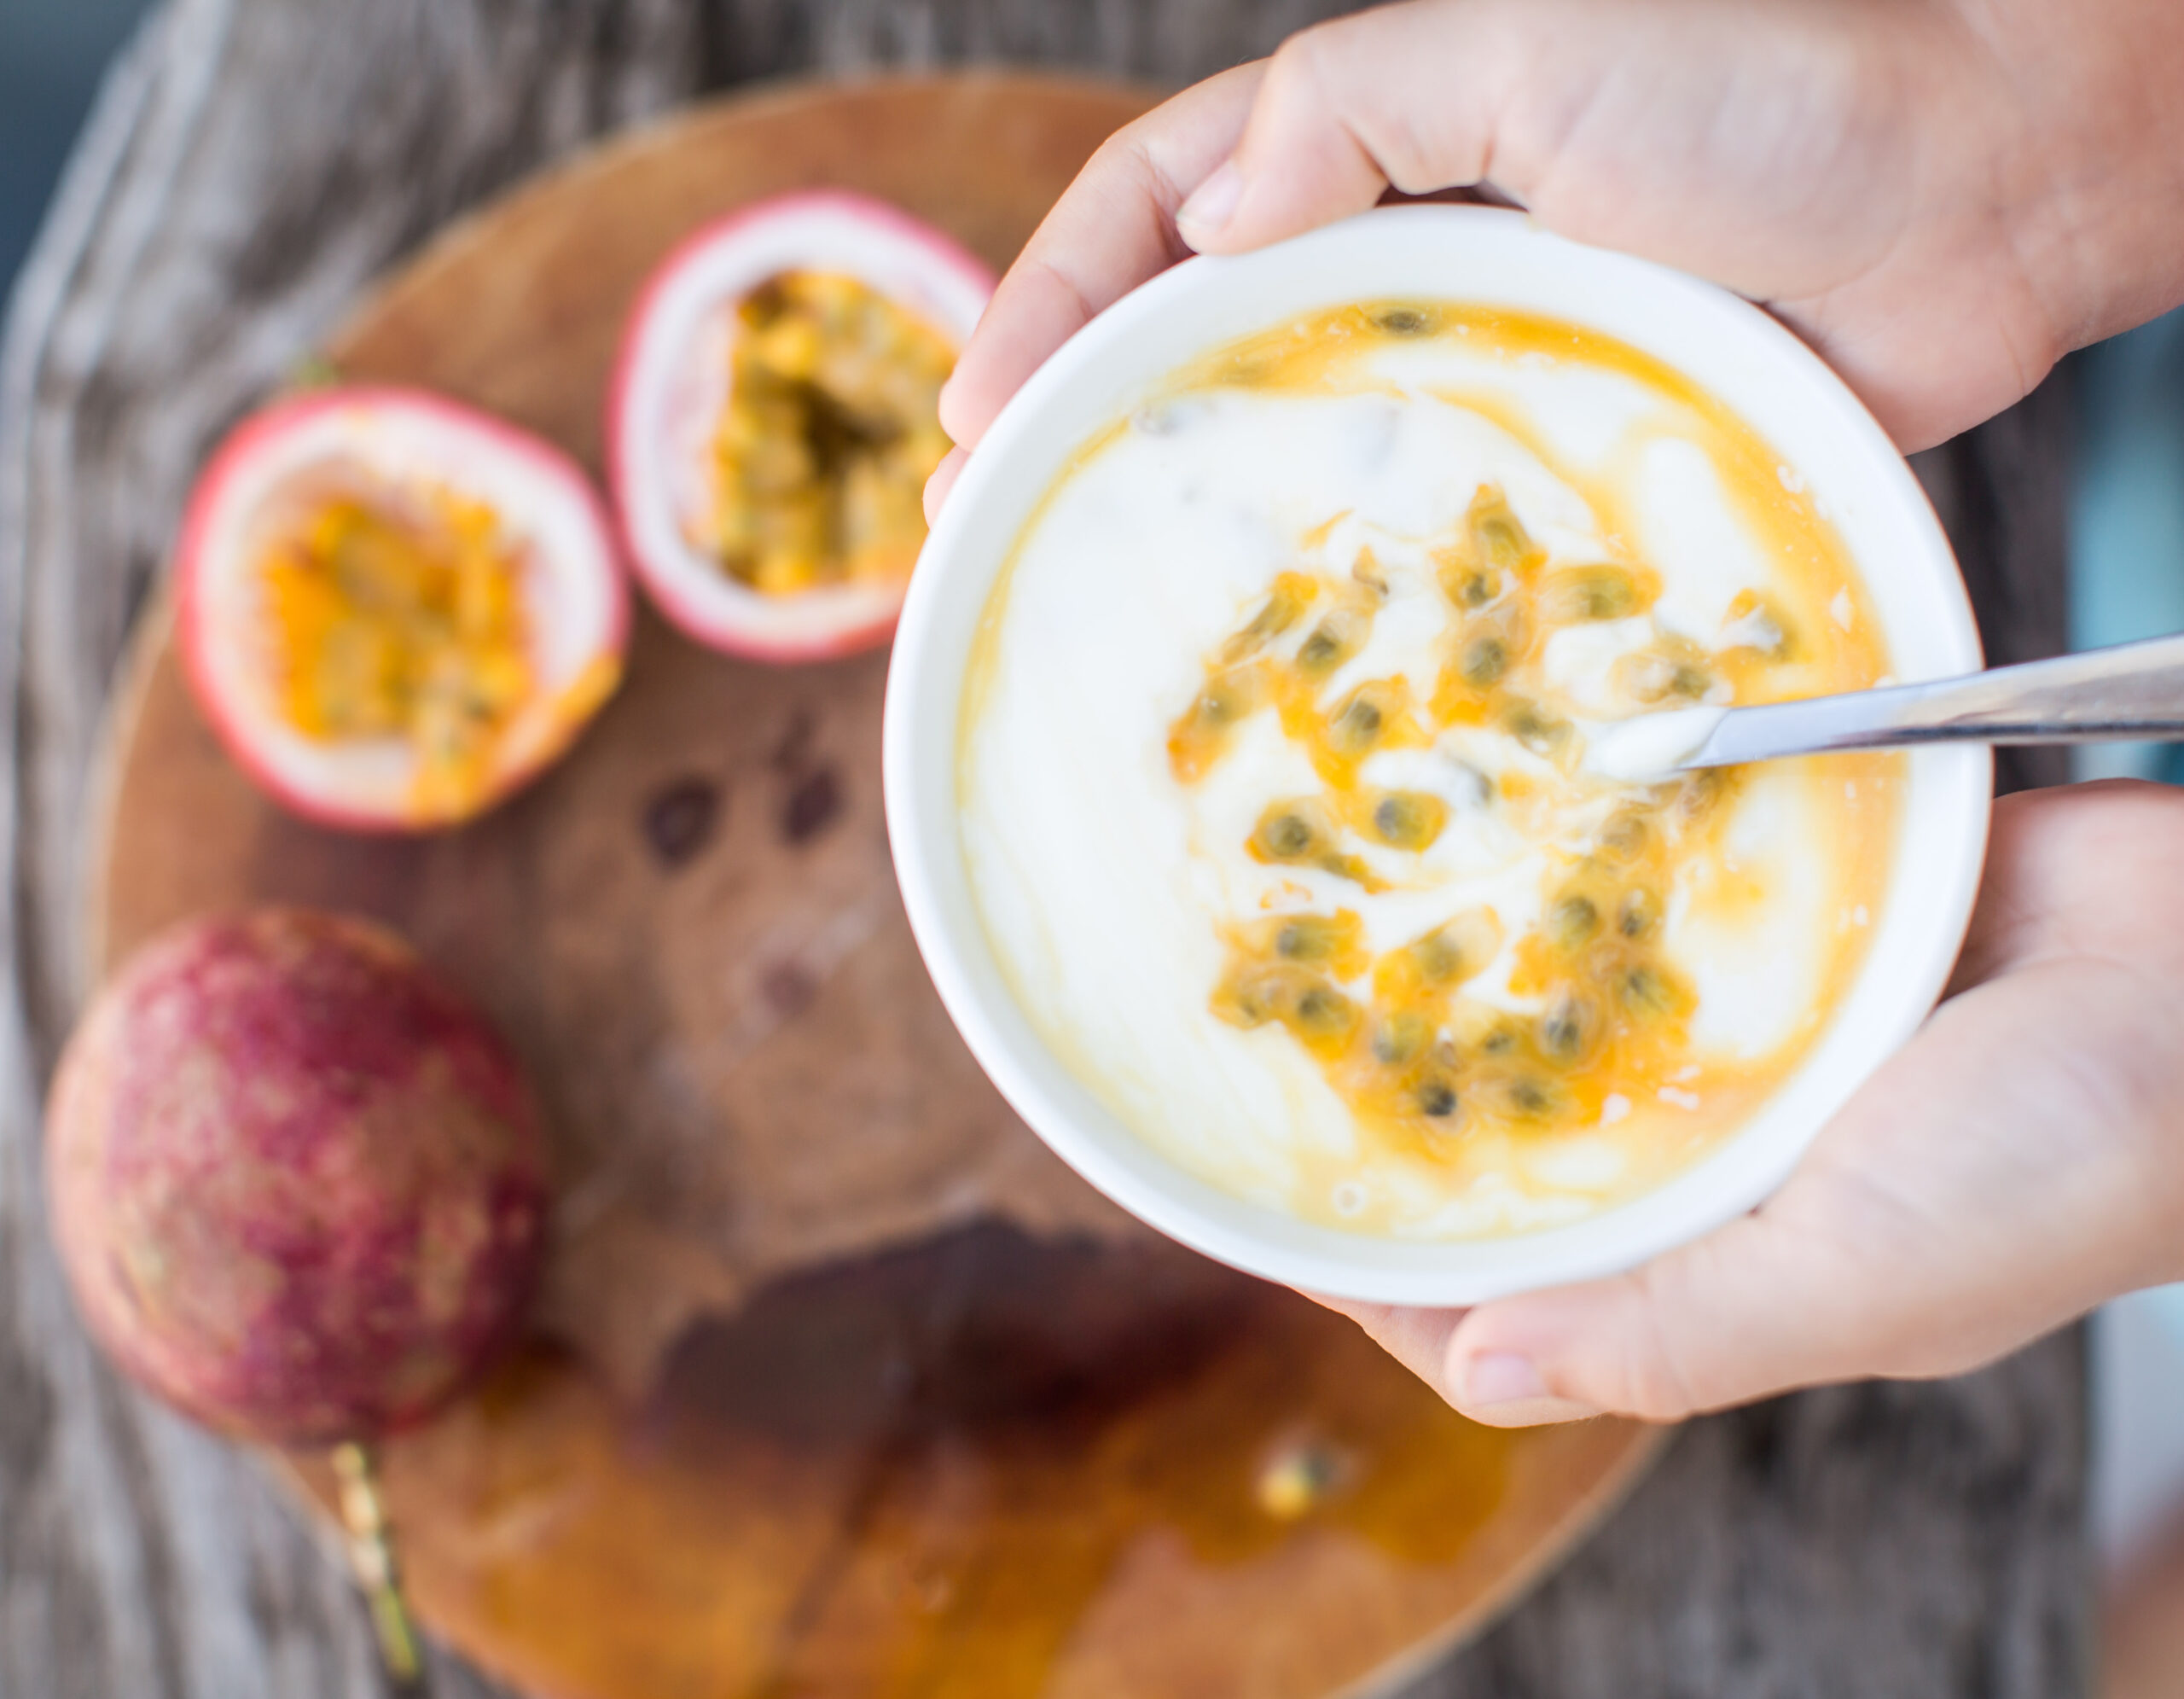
299, 1185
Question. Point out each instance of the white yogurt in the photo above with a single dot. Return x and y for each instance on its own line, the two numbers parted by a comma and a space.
1106, 883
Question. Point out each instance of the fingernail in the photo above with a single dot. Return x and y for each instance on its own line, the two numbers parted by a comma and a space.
1212, 205
1502, 1378
1504, 1390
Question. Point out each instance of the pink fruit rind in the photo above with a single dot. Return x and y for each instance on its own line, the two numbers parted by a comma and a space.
222, 700
297, 1184
627, 438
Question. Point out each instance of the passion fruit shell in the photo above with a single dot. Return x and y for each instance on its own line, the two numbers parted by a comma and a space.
390, 448
672, 383
297, 1184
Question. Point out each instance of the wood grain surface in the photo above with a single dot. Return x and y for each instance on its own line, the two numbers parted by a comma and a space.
252, 164
690, 926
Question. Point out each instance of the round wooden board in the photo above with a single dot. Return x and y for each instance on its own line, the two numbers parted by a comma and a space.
841, 1385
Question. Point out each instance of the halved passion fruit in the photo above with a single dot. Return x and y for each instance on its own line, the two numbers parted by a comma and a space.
775, 416
395, 610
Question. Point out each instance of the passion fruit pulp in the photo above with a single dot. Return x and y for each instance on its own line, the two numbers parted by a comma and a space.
831, 427
775, 416
298, 1186
395, 610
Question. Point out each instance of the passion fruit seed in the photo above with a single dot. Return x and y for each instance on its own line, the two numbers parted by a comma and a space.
1199, 736
1638, 914
1287, 832
1357, 723
1405, 321
1674, 666
1538, 731
1577, 594
1438, 958
1409, 820
1227, 700
1332, 642
1700, 794
1451, 952
1572, 920
1316, 938
1437, 1098
1399, 1038
1565, 1030
1499, 538
1285, 605
1651, 990
1245, 997
1485, 659
1530, 1099
1504, 542
1625, 836
1324, 1012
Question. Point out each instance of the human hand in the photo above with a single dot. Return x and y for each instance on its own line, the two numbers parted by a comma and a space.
2020, 1161
1943, 196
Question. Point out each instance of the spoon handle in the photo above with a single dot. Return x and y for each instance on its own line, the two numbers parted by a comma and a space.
2131, 691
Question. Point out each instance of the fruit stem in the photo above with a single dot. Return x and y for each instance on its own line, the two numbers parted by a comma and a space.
371, 1556
314, 371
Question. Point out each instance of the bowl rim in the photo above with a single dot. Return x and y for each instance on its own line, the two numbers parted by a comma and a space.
1950, 789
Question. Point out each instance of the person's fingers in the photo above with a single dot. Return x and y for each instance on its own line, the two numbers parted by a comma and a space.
1329, 129
1622, 1344
1961, 1203
942, 480
1746, 1311
1420, 1341
2036, 901
1400, 95
1113, 228
1417, 1338
1954, 1210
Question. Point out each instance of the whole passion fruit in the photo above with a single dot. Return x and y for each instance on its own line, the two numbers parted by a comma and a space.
395, 610
299, 1185
774, 417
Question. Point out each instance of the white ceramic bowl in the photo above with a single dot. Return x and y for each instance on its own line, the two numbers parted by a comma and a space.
1729, 348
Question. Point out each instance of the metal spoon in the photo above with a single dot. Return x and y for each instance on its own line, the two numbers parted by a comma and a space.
2132, 690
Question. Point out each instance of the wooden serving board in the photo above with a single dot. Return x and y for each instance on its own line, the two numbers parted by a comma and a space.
841, 1384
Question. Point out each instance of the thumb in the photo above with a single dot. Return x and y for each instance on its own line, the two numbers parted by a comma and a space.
1752, 1310
1394, 95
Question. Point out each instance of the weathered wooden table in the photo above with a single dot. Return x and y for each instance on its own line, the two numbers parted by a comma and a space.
252, 163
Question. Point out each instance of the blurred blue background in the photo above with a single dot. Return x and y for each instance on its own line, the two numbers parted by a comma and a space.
2126, 580
51, 55
2127, 513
